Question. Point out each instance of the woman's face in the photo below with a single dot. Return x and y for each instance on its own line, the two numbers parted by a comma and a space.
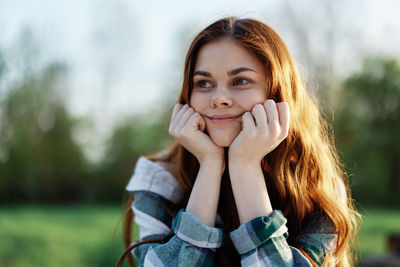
227, 81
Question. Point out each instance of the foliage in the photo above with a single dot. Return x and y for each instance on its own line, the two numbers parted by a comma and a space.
368, 130
41, 161
130, 139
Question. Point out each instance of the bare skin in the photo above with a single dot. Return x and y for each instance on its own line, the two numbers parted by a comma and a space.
256, 127
244, 160
187, 128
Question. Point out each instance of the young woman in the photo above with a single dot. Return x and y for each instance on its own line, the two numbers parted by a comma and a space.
253, 178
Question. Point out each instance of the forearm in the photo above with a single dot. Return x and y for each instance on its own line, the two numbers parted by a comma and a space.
203, 201
249, 190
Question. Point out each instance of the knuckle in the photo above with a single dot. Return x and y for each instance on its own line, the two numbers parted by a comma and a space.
196, 116
264, 131
283, 105
257, 107
185, 130
269, 103
275, 129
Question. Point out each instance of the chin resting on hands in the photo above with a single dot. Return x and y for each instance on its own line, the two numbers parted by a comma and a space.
263, 129
187, 127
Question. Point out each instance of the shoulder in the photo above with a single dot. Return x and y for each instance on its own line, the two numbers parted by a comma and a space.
318, 223
318, 236
169, 167
156, 177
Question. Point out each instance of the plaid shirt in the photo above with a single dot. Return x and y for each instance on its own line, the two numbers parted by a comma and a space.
186, 241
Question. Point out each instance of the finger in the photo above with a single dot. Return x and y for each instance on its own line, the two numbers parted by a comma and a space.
175, 122
248, 121
284, 117
183, 120
196, 121
202, 123
272, 115
175, 111
259, 115
180, 114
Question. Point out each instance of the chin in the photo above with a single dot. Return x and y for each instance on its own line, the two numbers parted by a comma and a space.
222, 142
224, 138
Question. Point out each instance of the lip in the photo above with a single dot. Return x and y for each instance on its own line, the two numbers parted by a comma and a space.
223, 118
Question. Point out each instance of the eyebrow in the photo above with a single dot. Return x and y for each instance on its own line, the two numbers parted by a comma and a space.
230, 73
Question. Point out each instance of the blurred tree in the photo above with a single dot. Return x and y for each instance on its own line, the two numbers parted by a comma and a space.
323, 42
368, 127
40, 156
41, 160
132, 138
2, 68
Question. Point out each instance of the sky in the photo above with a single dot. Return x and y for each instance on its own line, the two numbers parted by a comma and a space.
126, 57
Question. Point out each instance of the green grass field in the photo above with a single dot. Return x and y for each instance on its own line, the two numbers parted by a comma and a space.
59, 236
378, 224
83, 235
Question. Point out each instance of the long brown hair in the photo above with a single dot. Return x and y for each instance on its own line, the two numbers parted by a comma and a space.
303, 174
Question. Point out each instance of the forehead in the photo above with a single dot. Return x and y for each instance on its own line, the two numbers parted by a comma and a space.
226, 54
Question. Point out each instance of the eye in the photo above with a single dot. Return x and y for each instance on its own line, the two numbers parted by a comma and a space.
204, 84
240, 81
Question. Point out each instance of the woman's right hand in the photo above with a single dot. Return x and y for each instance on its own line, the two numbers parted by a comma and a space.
187, 127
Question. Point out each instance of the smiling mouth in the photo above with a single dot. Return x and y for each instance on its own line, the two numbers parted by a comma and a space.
223, 120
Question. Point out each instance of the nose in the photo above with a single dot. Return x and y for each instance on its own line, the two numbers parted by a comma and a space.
221, 97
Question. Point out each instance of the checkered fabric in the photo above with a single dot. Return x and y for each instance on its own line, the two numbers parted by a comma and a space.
186, 241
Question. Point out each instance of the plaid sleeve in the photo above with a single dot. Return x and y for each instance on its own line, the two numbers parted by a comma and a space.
190, 229
188, 243
262, 242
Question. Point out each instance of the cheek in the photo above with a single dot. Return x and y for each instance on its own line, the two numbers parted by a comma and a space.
198, 101
248, 100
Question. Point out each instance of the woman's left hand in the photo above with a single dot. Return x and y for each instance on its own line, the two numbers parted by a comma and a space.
263, 129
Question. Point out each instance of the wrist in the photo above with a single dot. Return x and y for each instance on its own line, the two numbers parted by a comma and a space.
244, 156
216, 159
249, 189
212, 163
244, 163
